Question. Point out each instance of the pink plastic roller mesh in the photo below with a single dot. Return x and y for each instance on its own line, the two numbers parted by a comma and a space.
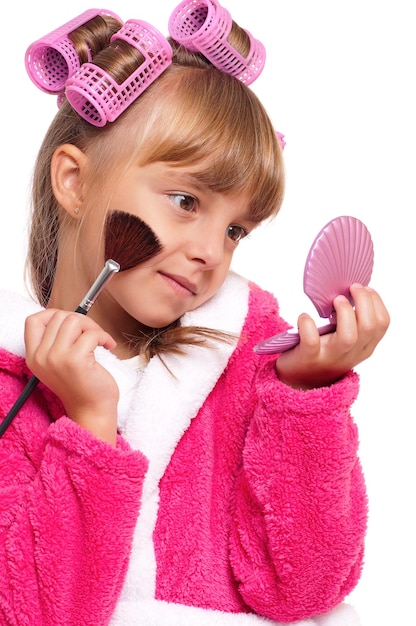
204, 26
97, 97
51, 60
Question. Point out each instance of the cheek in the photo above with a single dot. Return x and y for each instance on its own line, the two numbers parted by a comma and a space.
223, 270
214, 281
90, 241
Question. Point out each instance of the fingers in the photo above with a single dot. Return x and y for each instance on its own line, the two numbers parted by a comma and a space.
60, 352
35, 326
309, 336
60, 346
56, 332
347, 330
320, 360
371, 313
361, 327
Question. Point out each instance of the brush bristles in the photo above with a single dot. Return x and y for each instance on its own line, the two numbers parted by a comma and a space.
129, 240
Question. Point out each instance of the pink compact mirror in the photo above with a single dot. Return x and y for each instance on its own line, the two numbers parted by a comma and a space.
341, 254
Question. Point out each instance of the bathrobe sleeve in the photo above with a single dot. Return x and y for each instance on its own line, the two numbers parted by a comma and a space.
300, 506
69, 504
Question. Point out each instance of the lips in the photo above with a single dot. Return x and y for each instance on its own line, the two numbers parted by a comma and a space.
180, 283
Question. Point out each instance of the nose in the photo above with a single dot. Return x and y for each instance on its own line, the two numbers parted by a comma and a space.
207, 246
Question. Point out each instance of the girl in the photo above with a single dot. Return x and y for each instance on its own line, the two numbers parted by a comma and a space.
163, 472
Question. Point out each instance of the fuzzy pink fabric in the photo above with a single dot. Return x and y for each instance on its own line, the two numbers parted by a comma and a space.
262, 507
69, 504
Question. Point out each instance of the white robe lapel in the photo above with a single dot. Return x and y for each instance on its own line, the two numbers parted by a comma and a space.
163, 406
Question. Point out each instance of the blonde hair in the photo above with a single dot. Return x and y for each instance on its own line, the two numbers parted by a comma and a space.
192, 110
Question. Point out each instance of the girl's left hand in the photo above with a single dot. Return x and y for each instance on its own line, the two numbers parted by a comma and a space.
321, 360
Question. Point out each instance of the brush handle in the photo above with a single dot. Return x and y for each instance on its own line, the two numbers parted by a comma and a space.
30, 386
287, 340
109, 269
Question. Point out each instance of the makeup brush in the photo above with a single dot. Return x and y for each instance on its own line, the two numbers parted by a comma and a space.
129, 240
132, 242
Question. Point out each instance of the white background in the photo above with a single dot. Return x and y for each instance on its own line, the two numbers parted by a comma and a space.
339, 83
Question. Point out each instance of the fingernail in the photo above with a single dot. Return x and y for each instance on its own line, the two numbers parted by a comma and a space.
340, 298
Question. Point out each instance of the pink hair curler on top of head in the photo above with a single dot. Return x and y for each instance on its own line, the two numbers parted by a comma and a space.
97, 97
51, 60
204, 26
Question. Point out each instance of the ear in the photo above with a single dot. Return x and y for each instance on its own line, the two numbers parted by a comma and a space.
68, 168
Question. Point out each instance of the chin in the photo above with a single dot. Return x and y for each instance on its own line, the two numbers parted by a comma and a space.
157, 316
158, 322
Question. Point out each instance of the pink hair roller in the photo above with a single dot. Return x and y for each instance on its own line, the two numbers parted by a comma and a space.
51, 60
97, 97
203, 26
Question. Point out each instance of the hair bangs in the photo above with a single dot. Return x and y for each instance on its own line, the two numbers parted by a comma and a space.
216, 125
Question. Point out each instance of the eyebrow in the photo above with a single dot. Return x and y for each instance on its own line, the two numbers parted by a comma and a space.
187, 178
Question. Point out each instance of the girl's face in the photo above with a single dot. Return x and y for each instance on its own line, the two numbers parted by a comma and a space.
199, 230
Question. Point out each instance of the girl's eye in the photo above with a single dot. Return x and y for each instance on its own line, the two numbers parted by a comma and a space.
236, 233
184, 201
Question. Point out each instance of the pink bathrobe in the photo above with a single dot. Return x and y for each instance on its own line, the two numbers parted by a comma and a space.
231, 499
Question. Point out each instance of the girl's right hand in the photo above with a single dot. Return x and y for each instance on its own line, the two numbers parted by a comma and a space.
60, 352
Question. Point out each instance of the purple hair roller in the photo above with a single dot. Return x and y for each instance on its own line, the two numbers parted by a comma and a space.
204, 26
97, 97
51, 60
